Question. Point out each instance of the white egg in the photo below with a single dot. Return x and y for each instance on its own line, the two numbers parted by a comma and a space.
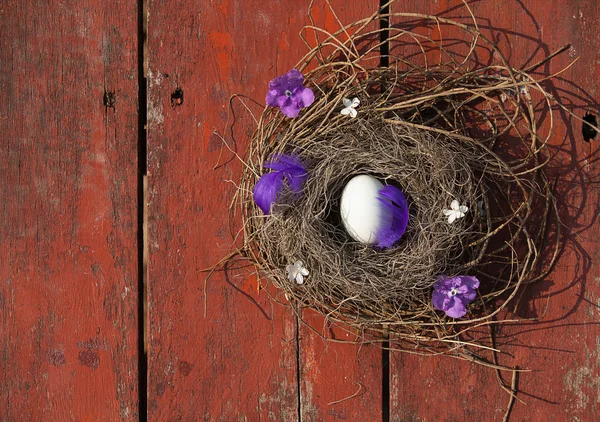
361, 212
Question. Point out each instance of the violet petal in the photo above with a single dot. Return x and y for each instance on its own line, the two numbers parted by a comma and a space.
456, 308
469, 296
305, 96
279, 83
438, 300
453, 294
272, 98
440, 285
266, 190
284, 101
470, 281
294, 78
288, 93
290, 109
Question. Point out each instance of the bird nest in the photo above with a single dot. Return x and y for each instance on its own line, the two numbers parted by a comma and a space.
440, 126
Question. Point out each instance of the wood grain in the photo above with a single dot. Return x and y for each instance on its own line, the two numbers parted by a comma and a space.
68, 174
218, 350
338, 381
562, 347
222, 350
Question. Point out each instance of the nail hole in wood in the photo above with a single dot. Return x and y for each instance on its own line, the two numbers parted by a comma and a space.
588, 131
177, 97
109, 99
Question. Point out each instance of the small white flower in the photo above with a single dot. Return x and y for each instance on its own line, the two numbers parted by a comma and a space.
350, 107
456, 211
296, 272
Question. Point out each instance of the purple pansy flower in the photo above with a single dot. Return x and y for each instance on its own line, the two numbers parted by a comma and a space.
394, 203
453, 294
288, 167
288, 93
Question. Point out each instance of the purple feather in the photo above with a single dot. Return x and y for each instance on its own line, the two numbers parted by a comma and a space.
266, 190
281, 162
392, 200
291, 167
288, 167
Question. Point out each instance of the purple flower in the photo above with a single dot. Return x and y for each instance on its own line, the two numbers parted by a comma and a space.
288, 93
453, 294
288, 167
394, 203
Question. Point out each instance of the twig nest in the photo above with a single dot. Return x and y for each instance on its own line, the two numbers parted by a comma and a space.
338, 251
429, 152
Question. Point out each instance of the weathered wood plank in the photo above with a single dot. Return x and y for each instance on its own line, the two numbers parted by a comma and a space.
68, 173
339, 381
562, 348
239, 359
220, 350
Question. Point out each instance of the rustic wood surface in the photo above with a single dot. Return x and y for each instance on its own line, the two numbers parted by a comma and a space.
184, 146
68, 235
222, 350
563, 348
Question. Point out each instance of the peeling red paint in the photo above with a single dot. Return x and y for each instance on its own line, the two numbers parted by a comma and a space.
89, 358
185, 367
91, 344
160, 389
284, 43
223, 47
56, 357
224, 7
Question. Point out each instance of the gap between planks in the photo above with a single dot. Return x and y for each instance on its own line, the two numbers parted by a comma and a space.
384, 49
143, 316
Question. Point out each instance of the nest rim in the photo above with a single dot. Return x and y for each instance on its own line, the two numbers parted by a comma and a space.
421, 327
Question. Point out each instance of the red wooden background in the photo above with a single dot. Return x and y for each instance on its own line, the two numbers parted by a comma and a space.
70, 268
69, 171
